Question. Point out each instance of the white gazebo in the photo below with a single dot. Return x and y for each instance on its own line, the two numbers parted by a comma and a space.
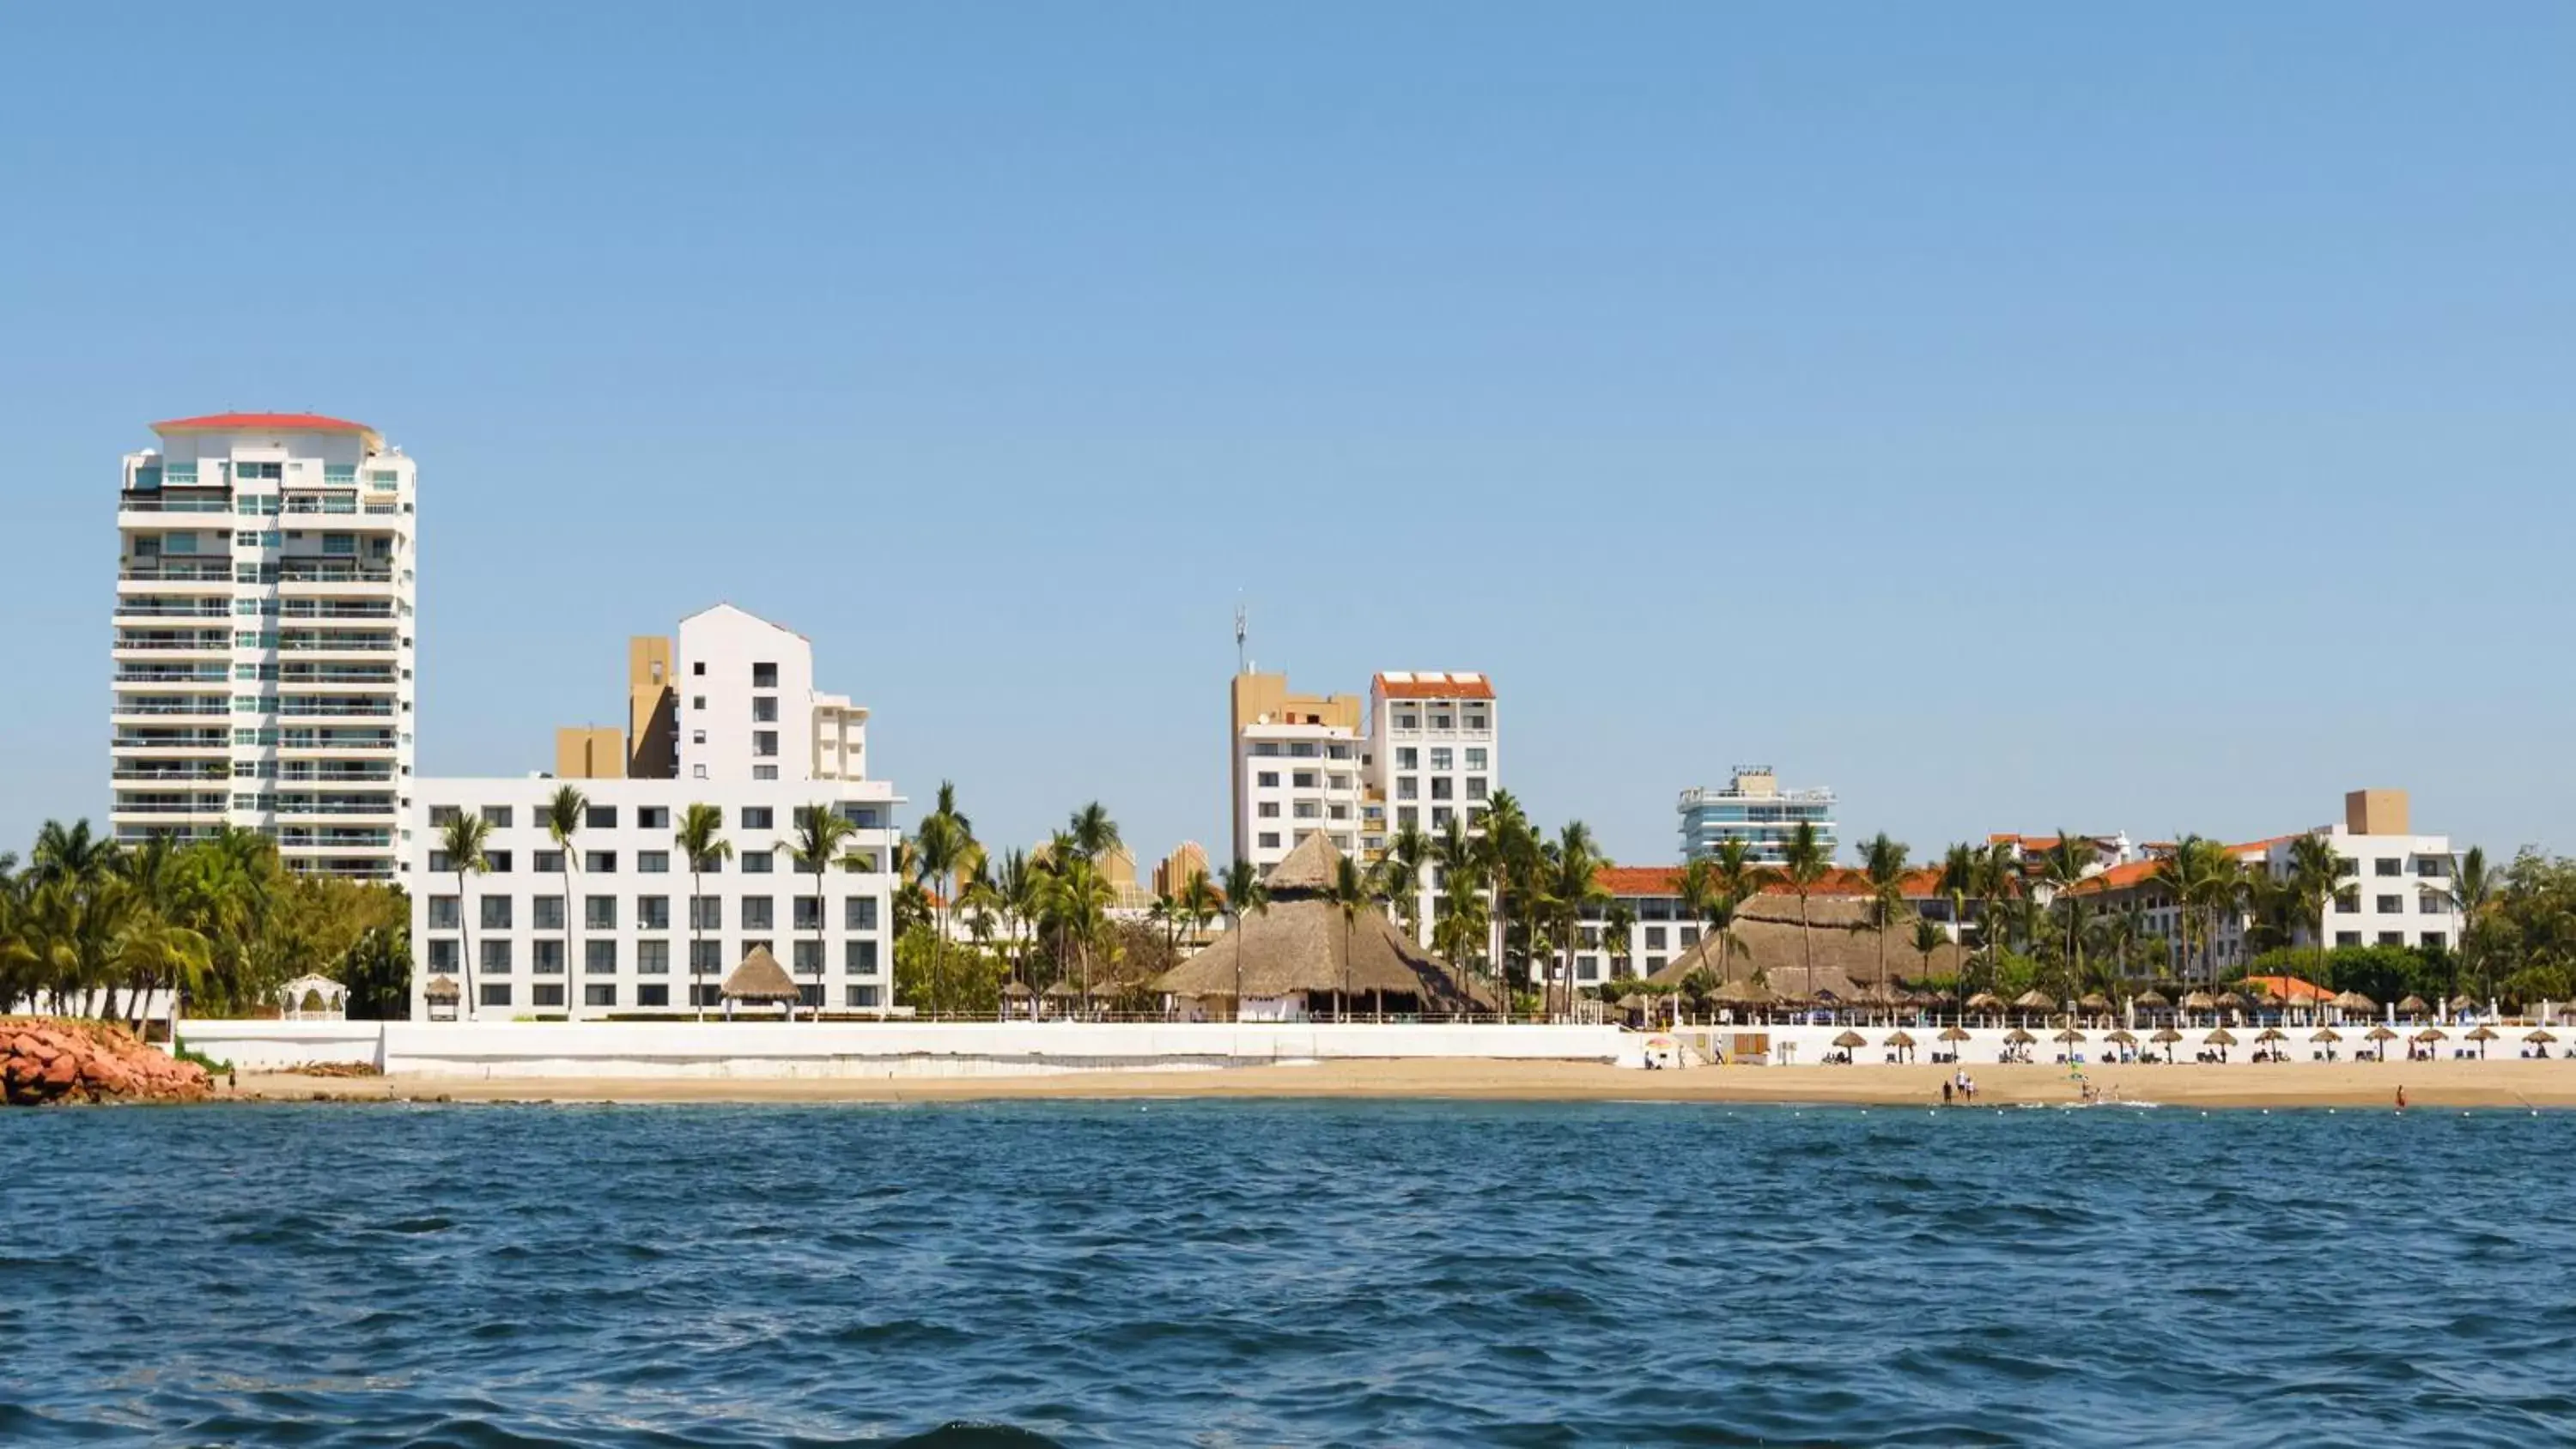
313, 998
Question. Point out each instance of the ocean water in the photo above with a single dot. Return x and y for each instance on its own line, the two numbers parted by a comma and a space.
1238, 1273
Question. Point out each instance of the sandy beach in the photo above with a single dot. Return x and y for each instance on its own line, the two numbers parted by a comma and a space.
2510, 1082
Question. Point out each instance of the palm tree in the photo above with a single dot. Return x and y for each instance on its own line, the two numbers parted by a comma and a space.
1245, 892
1928, 938
1349, 894
461, 841
2315, 871
1453, 855
940, 847
1198, 904
1093, 833
701, 839
1406, 854
1504, 846
563, 822
1165, 911
1575, 866
1464, 928
2472, 893
1695, 885
821, 832
1020, 888
1883, 861
1618, 935
2064, 865
1957, 885
1806, 862
1740, 876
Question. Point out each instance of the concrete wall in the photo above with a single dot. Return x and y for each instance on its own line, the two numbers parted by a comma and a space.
867, 1049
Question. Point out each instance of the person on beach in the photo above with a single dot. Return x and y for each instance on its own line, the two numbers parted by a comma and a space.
1945, 1092
2401, 1096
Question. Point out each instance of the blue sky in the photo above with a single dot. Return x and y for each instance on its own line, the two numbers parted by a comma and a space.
2151, 417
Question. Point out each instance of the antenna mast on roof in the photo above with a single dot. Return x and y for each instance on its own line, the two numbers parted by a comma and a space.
1241, 632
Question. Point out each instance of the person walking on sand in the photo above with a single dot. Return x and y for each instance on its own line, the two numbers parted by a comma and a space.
1945, 1091
2401, 1096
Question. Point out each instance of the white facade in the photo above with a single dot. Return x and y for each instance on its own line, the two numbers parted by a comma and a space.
264, 638
618, 913
1754, 809
2396, 890
1298, 779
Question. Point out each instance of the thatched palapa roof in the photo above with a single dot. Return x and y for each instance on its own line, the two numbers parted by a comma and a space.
1301, 945
1769, 944
441, 988
760, 978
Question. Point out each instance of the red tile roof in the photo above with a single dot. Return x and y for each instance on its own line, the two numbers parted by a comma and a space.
1451, 687
261, 422
1665, 880
2262, 845
2118, 877
2289, 988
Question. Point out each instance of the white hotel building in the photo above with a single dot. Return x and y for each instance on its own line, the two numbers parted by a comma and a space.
729, 718
1423, 750
263, 657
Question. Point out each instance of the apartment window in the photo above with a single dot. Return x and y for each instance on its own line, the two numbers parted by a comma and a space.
1304, 780
2346, 865
697, 701
1655, 938
1267, 810
1441, 758
706, 913
2430, 904
706, 957
756, 913
599, 913
759, 817
758, 862
652, 996
599, 817
698, 668
1476, 757
861, 998
497, 816
1688, 935
1408, 758
1475, 787
652, 817
2388, 867
442, 816
1407, 787
1408, 818
1306, 810
2433, 867
493, 995
1270, 840
549, 862
653, 862
764, 772
550, 913
1267, 779
546, 958
2392, 938
496, 913
764, 709
546, 994
1302, 751
496, 862
764, 676
599, 958
1340, 812
442, 957
859, 958
2349, 904
599, 862
653, 913
653, 958
496, 958
808, 958
2435, 940
859, 913
2347, 938
1337, 752
699, 737
444, 913
2391, 905
1440, 815
1443, 788
599, 993
1408, 720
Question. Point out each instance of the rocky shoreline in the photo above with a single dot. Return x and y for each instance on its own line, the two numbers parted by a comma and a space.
49, 1059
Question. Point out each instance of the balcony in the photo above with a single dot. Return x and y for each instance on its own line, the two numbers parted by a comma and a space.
313, 772
325, 503
214, 707
337, 740
334, 838
316, 676
304, 643
334, 708
290, 805
173, 774
336, 609
173, 674
181, 807
313, 571
180, 573
164, 503
173, 739
147, 606
151, 642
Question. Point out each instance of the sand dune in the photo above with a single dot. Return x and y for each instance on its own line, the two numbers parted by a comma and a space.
2500, 1083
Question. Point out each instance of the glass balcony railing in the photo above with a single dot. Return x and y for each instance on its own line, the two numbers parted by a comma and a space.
297, 571
191, 572
149, 503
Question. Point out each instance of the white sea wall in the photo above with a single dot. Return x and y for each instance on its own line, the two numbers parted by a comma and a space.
874, 1049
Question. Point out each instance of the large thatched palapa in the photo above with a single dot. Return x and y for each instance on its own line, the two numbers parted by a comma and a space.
1847, 951
1297, 949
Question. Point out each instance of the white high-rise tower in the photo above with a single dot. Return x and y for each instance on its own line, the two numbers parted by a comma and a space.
263, 653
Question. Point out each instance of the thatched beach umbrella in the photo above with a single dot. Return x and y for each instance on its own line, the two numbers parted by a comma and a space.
2165, 1036
2068, 1037
2413, 1008
2018, 1037
2325, 1034
2482, 1036
2462, 1002
2095, 1003
2220, 1037
2234, 1001
1901, 1042
761, 981
1984, 1003
2199, 1001
2355, 1003
2120, 1036
441, 991
2270, 1033
1954, 1034
2539, 1036
2035, 1000
2152, 1000
2428, 1036
1851, 1039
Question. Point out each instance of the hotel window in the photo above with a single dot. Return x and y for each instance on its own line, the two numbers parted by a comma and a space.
809, 913
2388, 867
549, 862
2349, 904
550, 913
1407, 788
697, 701
1475, 787
652, 996
599, 913
764, 709
493, 995
2391, 905
764, 772
599, 817
1341, 812
599, 993
442, 956
861, 998
599, 958
2347, 938
2435, 940
546, 958
1440, 817
1270, 840
1337, 752
764, 676
706, 913
652, 817
859, 958
1408, 818
496, 957
859, 913
1689, 935
1337, 782
706, 957
497, 816
653, 862
2432, 905
1441, 757
2392, 938
1655, 938
808, 958
444, 913
442, 816
600, 862
1408, 758
544, 994
1408, 720
496, 913
1441, 720
1267, 810
764, 744
1476, 757
699, 737
758, 862
653, 913
757, 913
653, 958
496, 862
1267, 779
1303, 780
759, 817
1306, 810
1443, 788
